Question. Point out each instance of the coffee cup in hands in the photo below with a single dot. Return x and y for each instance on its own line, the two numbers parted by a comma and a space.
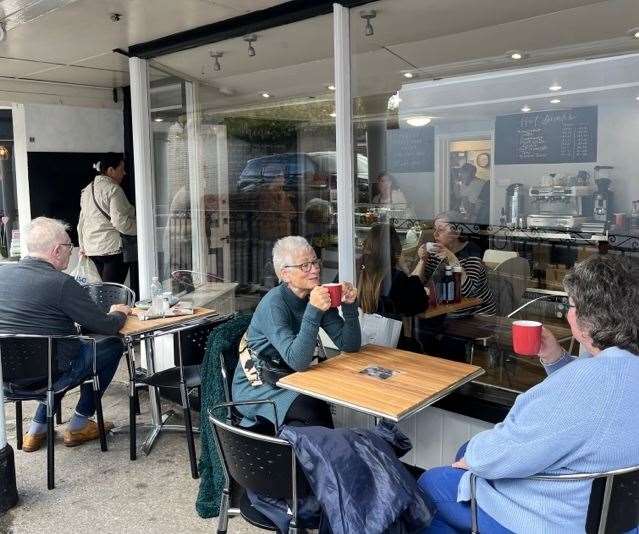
527, 337
335, 292
320, 298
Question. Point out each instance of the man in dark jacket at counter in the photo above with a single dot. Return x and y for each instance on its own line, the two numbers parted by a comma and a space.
37, 298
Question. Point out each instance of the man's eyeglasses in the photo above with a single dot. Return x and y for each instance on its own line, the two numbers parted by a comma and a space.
307, 265
70, 245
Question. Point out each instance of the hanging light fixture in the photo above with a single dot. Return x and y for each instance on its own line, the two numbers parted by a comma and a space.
216, 63
4, 152
367, 16
250, 39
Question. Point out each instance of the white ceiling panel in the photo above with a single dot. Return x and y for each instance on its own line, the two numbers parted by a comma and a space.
103, 78
108, 60
598, 22
16, 67
301, 42
412, 20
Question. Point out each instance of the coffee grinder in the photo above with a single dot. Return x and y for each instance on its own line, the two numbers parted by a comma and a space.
602, 199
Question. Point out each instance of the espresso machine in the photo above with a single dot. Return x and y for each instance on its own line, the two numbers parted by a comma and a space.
558, 206
602, 199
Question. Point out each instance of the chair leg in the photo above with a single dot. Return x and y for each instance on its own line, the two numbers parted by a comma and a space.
223, 518
50, 455
133, 397
58, 411
19, 425
189, 430
99, 416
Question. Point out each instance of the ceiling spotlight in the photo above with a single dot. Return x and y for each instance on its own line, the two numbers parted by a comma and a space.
250, 39
333, 114
525, 109
418, 121
408, 75
636, 97
634, 33
216, 63
555, 101
367, 16
330, 87
115, 17
158, 119
555, 87
516, 54
266, 95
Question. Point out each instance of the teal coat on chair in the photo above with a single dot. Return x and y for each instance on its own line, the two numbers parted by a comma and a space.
224, 339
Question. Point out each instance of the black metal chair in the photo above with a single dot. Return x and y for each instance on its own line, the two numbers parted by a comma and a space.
613, 504
106, 294
257, 462
186, 376
31, 365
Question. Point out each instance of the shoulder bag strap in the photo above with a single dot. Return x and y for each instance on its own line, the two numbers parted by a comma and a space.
96, 203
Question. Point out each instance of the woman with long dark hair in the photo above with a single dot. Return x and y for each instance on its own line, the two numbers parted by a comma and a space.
383, 287
105, 213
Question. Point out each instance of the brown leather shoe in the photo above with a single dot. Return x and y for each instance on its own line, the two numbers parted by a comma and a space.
33, 442
88, 433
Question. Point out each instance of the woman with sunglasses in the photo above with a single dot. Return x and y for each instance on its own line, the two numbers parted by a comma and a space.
283, 338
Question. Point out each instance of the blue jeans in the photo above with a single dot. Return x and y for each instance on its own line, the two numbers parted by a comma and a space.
109, 350
439, 486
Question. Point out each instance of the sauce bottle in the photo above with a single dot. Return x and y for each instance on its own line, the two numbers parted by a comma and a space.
457, 279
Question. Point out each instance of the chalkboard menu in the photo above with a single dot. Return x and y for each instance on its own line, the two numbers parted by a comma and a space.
561, 136
410, 149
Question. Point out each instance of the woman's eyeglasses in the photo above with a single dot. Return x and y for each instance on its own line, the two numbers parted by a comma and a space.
307, 265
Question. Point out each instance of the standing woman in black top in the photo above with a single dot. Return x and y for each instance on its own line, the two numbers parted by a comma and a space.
383, 287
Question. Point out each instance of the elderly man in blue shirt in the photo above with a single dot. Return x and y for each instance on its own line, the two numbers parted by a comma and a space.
36, 297
581, 418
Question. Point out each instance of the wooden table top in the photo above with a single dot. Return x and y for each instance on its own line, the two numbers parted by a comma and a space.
135, 326
419, 381
444, 309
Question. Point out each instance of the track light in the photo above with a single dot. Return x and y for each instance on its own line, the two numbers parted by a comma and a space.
367, 16
216, 63
250, 39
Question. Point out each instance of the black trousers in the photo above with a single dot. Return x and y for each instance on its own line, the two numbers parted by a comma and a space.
111, 268
308, 411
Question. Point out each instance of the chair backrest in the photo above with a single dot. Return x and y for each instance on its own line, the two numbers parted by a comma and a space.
508, 282
260, 463
620, 503
193, 343
105, 294
623, 511
25, 359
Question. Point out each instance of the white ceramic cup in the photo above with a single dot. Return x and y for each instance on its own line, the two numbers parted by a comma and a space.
431, 247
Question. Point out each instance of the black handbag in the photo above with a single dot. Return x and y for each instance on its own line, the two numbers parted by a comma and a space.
129, 242
271, 368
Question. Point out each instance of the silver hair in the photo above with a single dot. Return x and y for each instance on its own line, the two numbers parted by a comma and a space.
605, 292
44, 233
284, 251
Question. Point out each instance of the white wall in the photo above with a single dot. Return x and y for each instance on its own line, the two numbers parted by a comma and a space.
56, 128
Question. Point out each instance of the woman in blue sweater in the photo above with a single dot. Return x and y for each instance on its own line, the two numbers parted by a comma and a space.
283, 334
581, 418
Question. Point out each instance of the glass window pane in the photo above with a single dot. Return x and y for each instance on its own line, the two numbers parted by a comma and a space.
508, 156
240, 170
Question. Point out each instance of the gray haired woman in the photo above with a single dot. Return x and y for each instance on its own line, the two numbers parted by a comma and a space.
581, 418
283, 336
